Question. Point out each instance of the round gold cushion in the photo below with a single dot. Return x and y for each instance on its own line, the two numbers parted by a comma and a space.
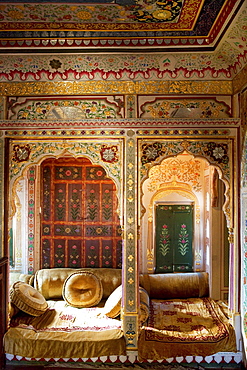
82, 289
27, 299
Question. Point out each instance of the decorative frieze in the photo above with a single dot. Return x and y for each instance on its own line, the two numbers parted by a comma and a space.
114, 87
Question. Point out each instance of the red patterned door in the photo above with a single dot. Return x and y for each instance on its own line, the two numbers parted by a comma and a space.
79, 222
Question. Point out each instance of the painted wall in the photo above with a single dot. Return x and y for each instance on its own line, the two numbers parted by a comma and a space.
148, 119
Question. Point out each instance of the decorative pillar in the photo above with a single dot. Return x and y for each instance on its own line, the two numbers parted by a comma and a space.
130, 266
31, 219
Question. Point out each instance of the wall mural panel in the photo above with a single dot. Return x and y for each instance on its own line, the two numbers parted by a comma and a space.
28, 157
64, 108
216, 152
106, 107
168, 176
201, 108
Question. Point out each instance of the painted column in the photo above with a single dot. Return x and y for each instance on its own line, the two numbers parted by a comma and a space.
130, 267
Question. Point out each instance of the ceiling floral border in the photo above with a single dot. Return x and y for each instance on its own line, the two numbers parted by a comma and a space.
130, 22
131, 66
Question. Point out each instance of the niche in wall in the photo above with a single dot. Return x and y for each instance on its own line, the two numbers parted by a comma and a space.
188, 180
65, 205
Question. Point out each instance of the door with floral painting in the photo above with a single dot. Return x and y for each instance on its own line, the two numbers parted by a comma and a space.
174, 238
80, 225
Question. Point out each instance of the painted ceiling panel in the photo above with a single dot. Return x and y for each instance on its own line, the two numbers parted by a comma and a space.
195, 25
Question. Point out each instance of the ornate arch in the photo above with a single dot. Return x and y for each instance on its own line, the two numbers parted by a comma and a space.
25, 162
107, 154
217, 153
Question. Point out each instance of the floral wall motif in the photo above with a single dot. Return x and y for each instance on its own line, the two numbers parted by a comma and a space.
102, 107
216, 152
62, 109
96, 151
125, 66
184, 108
174, 169
130, 251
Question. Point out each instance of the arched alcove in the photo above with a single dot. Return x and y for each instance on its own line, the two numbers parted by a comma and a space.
188, 179
30, 199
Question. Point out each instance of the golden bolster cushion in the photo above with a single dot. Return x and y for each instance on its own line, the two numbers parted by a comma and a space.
112, 306
26, 278
144, 305
82, 289
27, 299
177, 285
49, 282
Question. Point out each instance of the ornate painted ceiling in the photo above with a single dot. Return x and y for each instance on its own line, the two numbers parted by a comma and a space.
109, 25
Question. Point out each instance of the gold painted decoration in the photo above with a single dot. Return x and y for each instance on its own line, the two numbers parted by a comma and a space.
21, 152
109, 153
217, 152
240, 80
63, 108
69, 88
166, 107
173, 170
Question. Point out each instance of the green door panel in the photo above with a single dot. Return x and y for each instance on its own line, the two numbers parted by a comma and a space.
174, 238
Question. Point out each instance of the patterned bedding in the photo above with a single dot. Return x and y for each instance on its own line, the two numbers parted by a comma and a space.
185, 327
65, 332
